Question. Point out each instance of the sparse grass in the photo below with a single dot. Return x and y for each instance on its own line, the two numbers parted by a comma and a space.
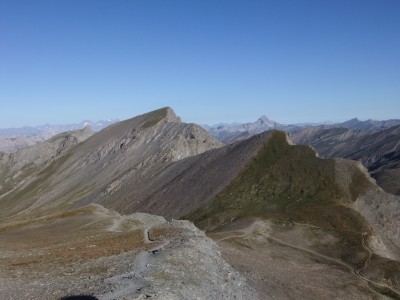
8, 181
154, 117
108, 245
290, 184
359, 184
279, 179
24, 197
384, 270
48, 217
65, 241
384, 291
78, 250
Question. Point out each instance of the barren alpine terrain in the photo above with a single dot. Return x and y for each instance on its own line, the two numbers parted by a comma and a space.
95, 251
152, 207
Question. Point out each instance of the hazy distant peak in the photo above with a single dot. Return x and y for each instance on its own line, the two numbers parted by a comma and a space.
264, 118
352, 121
266, 121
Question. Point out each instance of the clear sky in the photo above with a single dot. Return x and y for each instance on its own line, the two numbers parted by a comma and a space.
211, 61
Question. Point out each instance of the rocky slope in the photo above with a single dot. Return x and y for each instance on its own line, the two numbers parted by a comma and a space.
42, 153
378, 151
274, 208
121, 154
20, 168
13, 144
95, 251
14, 139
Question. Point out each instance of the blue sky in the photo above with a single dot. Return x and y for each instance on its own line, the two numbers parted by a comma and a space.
211, 61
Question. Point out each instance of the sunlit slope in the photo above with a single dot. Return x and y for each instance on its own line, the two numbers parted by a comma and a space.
127, 150
96, 251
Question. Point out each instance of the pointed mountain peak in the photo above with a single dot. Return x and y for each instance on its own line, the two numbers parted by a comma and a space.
353, 120
264, 120
165, 114
170, 115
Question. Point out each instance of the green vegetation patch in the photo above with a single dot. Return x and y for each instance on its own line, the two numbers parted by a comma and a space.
280, 179
290, 185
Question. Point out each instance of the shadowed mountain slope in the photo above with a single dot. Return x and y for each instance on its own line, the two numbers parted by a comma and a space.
379, 151
177, 188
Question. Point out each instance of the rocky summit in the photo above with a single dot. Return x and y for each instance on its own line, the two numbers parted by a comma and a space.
152, 207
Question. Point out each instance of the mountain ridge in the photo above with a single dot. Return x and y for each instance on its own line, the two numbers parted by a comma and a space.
231, 132
14, 139
121, 148
261, 198
378, 151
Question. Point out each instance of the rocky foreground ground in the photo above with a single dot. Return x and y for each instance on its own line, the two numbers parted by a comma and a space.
113, 257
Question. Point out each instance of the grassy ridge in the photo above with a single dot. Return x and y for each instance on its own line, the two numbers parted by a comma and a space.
289, 183
281, 178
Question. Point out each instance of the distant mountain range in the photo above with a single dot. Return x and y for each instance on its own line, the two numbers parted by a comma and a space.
48, 128
369, 125
230, 133
13, 139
